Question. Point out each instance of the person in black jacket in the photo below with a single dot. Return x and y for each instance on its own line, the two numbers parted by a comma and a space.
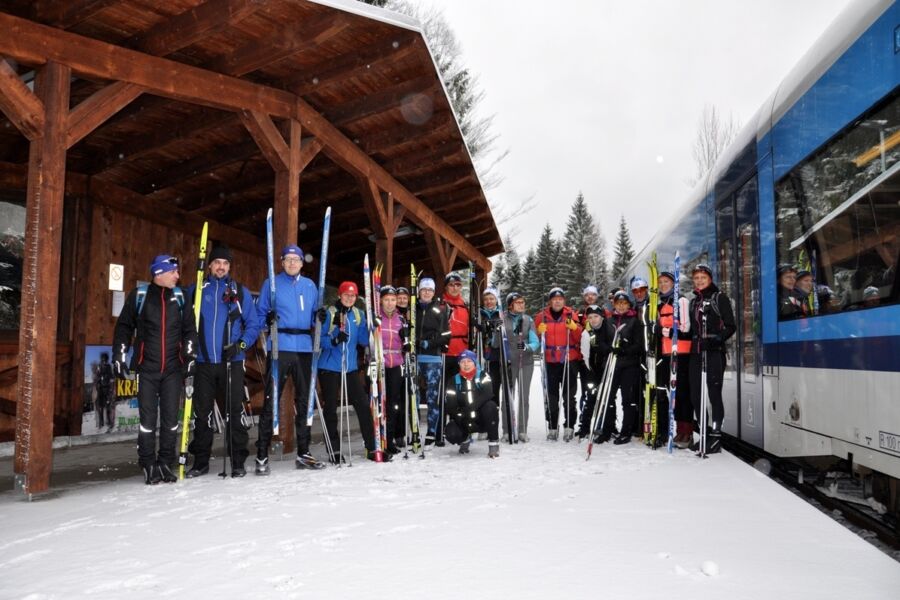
432, 339
627, 373
471, 408
709, 340
165, 347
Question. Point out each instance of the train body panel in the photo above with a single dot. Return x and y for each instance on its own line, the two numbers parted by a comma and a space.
814, 180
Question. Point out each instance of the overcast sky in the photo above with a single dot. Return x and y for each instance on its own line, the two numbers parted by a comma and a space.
604, 97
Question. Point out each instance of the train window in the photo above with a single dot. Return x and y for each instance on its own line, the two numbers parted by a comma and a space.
12, 246
838, 220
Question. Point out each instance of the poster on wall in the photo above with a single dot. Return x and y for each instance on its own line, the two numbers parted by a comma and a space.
110, 404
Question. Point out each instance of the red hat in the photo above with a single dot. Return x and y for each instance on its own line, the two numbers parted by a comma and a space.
348, 287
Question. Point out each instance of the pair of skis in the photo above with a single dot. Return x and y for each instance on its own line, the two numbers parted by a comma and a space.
651, 422
411, 374
602, 401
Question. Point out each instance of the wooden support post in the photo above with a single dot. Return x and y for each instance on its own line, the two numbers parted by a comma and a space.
40, 284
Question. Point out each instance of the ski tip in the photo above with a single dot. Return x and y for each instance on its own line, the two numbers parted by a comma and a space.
269, 213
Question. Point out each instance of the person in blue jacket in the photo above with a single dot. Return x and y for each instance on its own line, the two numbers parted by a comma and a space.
296, 309
225, 304
344, 332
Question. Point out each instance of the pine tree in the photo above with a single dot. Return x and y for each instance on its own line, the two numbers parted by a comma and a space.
544, 275
530, 284
507, 273
624, 252
578, 252
600, 264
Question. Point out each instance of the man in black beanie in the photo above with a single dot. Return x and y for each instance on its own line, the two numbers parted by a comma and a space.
228, 326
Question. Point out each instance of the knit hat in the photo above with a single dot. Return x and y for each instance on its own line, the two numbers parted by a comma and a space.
638, 283
803, 273
591, 289
221, 252
871, 292
512, 297
348, 287
593, 309
468, 354
554, 292
426, 283
786, 268
667, 274
402, 290
452, 277
493, 292
292, 249
388, 290
163, 264
622, 295
703, 267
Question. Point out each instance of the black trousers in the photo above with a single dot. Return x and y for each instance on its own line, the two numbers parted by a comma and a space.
555, 381
357, 397
297, 366
158, 399
396, 401
715, 371
590, 381
627, 379
487, 421
210, 385
684, 409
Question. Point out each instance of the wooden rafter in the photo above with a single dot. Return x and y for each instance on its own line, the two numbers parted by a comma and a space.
285, 41
19, 103
438, 124
195, 167
67, 13
375, 208
192, 25
267, 137
372, 104
94, 111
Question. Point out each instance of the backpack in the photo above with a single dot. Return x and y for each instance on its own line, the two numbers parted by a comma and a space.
357, 316
142, 295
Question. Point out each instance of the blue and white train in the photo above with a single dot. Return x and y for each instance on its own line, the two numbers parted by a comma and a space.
814, 181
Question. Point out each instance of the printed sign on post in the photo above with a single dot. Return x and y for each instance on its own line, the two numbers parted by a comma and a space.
116, 277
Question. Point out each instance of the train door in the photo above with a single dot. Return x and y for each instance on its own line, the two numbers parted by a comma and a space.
737, 232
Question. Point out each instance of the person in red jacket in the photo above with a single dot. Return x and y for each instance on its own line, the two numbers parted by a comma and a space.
562, 333
459, 324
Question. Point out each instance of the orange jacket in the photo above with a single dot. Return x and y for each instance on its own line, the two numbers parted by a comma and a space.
560, 337
667, 319
459, 324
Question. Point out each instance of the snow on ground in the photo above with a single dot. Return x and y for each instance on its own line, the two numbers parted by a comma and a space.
539, 522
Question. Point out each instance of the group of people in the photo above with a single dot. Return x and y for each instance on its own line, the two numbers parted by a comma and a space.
799, 295
464, 361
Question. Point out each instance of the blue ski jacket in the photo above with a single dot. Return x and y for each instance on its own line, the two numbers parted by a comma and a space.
351, 320
214, 315
296, 301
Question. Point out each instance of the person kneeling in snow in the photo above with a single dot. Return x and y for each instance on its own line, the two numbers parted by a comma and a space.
470, 406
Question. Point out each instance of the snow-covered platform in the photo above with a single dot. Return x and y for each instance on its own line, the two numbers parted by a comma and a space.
539, 522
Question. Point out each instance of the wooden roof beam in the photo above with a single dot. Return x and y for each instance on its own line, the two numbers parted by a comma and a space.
34, 44
381, 101
192, 25
21, 106
195, 167
439, 123
285, 41
447, 178
266, 135
97, 109
387, 49
67, 13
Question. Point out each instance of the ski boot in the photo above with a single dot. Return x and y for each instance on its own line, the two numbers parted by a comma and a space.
553, 435
385, 457
714, 443
262, 465
568, 434
464, 446
238, 471
493, 449
601, 438
622, 438
197, 471
308, 461
523, 437
166, 473
152, 476
429, 439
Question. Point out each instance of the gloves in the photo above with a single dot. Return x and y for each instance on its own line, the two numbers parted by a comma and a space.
542, 328
341, 338
424, 344
376, 322
405, 348
270, 319
617, 350
120, 368
190, 369
232, 350
189, 386
520, 346
321, 315
571, 325
666, 331
404, 332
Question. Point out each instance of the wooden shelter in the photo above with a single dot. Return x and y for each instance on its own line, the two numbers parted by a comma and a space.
130, 122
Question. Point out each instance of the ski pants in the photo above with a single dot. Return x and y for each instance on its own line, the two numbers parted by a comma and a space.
297, 366
396, 403
431, 373
684, 409
487, 421
356, 397
584, 377
715, 371
211, 385
158, 399
496, 379
565, 376
591, 382
521, 380
628, 379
